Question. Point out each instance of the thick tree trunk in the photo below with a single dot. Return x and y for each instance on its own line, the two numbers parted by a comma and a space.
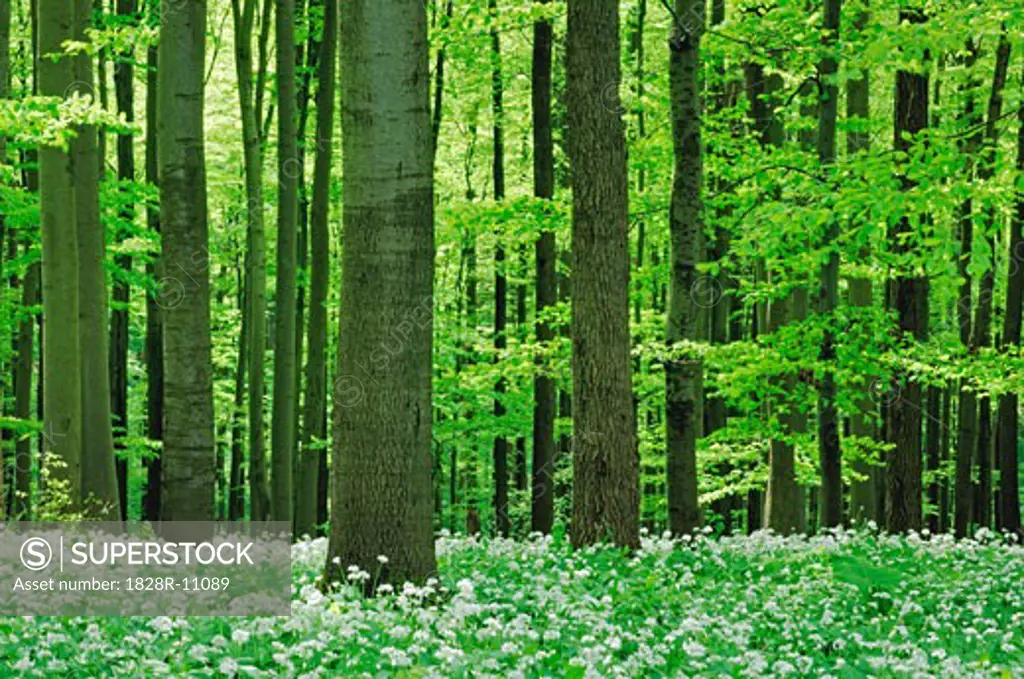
829, 451
683, 375
903, 472
544, 409
382, 465
606, 503
151, 500
99, 478
188, 474
1007, 438
314, 425
283, 431
62, 375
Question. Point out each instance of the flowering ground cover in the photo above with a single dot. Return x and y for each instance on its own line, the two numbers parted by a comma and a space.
841, 605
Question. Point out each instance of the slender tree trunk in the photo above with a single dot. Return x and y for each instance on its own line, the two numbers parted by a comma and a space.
62, 375
314, 425
829, 450
986, 292
500, 285
323, 485
5, 80
519, 467
154, 316
967, 406
723, 298
863, 489
933, 453
21, 505
307, 58
99, 478
783, 500
636, 48
544, 408
683, 375
903, 473
382, 465
944, 441
283, 431
606, 501
1007, 439
95, 20
256, 302
189, 474
236, 476
124, 85
799, 297
438, 108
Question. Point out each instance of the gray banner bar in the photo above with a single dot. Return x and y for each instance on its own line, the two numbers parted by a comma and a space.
136, 568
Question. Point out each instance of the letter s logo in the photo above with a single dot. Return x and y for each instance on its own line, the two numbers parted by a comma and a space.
36, 554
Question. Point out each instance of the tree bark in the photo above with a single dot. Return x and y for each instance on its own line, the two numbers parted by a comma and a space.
862, 491
99, 478
783, 500
545, 250
986, 292
124, 85
154, 324
723, 327
382, 491
500, 450
967, 406
683, 375
62, 375
5, 79
256, 301
933, 453
306, 63
944, 442
21, 505
236, 475
606, 503
314, 425
189, 474
1007, 439
829, 450
903, 469
437, 110
283, 431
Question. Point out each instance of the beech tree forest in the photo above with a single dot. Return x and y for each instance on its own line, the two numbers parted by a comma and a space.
572, 338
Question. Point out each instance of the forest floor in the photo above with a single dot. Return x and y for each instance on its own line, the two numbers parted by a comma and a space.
840, 605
